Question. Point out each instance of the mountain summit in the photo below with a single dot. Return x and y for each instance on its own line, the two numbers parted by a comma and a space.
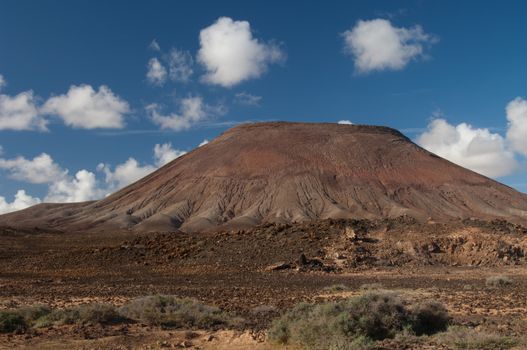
288, 172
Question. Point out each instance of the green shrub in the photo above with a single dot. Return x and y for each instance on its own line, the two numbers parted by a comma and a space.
98, 314
43, 316
429, 318
363, 319
58, 317
83, 314
468, 339
498, 281
32, 313
169, 311
18, 320
12, 321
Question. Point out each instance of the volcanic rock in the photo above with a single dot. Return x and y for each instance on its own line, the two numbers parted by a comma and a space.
289, 172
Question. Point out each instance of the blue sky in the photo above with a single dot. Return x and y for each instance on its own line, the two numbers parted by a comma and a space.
442, 72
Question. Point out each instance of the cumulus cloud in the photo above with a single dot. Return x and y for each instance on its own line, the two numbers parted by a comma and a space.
83, 107
231, 54
42, 169
345, 122
20, 113
192, 110
125, 173
39, 170
517, 124
156, 73
82, 187
476, 149
180, 65
244, 98
378, 45
164, 154
21, 201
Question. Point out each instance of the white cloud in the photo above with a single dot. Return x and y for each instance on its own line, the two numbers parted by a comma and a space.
180, 65
83, 187
517, 124
378, 45
42, 169
247, 99
154, 45
345, 122
203, 143
21, 201
156, 73
3, 82
164, 154
39, 170
125, 173
20, 113
476, 149
83, 107
231, 54
192, 110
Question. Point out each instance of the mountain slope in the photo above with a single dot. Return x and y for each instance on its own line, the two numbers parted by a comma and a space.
285, 172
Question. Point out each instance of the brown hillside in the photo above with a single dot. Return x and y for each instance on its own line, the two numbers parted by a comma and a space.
288, 172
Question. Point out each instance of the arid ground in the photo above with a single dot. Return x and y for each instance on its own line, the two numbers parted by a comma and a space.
258, 274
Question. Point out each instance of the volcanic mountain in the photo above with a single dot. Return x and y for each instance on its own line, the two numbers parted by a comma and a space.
288, 172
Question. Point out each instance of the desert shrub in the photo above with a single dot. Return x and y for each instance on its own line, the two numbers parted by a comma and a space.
32, 313
58, 317
468, 339
98, 314
12, 321
378, 315
359, 321
263, 309
429, 318
169, 311
467, 287
498, 281
371, 286
18, 320
336, 288
83, 314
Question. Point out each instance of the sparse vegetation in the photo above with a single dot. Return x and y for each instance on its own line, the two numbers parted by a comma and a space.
356, 322
428, 318
43, 316
498, 281
468, 339
11, 322
172, 312
83, 314
371, 286
468, 287
336, 288
263, 309
166, 311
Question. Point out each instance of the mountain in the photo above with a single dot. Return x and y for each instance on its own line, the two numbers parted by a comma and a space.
289, 172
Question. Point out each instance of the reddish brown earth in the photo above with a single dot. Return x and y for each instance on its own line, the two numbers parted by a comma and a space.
264, 217
259, 273
289, 172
